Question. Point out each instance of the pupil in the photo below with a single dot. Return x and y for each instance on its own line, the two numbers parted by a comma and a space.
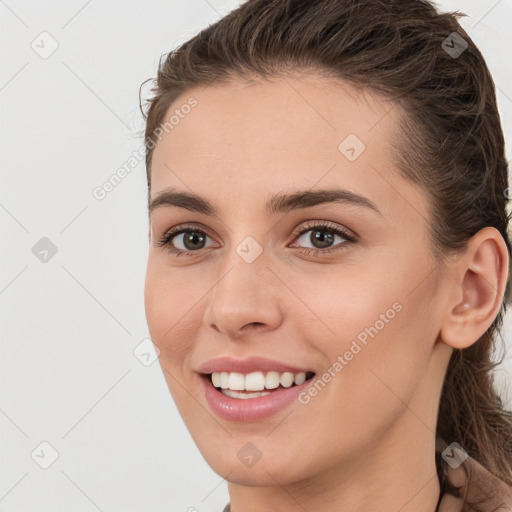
318, 236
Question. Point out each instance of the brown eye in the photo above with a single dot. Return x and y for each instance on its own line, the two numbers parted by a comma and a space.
181, 240
322, 238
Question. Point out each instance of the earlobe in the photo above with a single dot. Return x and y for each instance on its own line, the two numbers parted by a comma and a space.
479, 285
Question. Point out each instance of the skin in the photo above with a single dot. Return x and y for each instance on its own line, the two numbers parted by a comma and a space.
367, 440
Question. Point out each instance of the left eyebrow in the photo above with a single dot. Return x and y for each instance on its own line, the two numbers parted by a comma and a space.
278, 203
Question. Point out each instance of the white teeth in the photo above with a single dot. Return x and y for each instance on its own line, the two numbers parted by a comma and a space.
272, 380
236, 381
300, 378
224, 380
237, 394
286, 379
216, 380
255, 381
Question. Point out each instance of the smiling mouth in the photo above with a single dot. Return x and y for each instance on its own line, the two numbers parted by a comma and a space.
255, 384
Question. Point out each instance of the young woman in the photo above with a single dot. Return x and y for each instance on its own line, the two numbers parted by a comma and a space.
329, 257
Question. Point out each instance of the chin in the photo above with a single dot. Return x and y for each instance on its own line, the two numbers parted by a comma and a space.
264, 472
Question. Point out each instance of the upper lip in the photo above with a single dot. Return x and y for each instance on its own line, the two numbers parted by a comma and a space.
248, 365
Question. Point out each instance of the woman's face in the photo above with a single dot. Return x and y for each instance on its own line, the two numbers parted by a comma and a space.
358, 303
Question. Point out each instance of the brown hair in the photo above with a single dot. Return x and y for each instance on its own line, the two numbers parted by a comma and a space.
451, 142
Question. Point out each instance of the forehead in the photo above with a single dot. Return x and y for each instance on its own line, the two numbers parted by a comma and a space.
243, 141
285, 116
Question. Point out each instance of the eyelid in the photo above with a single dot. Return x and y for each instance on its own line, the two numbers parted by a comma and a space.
327, 225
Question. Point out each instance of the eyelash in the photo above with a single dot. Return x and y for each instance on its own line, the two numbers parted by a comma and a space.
322, 226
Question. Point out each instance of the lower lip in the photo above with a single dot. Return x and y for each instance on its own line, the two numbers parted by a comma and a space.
250, 409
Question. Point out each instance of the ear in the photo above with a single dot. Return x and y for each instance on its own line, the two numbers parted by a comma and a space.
480, 278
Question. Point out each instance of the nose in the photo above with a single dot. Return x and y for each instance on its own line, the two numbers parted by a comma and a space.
247, 299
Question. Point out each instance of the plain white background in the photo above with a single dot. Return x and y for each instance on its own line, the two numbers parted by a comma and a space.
69, 326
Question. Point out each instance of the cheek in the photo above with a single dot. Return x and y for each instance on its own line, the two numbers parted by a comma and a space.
169, 302
379, 338
169, 305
